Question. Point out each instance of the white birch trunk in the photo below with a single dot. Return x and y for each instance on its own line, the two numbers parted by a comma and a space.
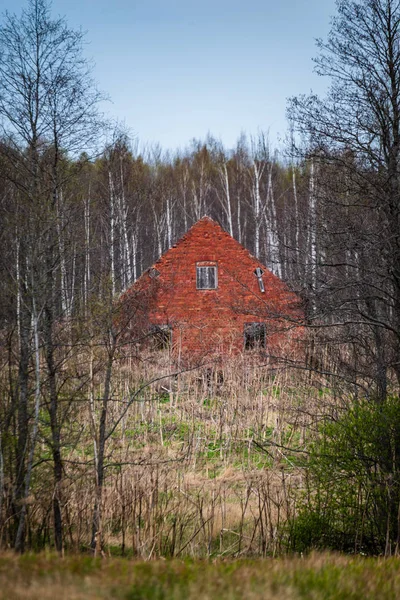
134, 246
313, 226
312, 234
258, 169
271, 226
86, 279
296, 213
73, 276
158, 227
126, 256
65, 305
18, 278
200, 195
238, 220
169, 221
225, 199
184, 192
112, 232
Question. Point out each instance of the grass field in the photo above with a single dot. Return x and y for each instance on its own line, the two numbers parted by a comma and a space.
317, 577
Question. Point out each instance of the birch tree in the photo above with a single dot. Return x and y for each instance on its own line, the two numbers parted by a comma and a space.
260, 160
355, 132
223, 185
200, 181
273, 254
241, 166
48, 106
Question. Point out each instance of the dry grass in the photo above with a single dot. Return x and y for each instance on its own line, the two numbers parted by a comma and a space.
318, 577
193, 482
185, 475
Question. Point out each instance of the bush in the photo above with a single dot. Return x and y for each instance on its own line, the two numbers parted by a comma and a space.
351, 499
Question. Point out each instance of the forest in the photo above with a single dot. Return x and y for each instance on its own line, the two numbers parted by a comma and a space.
107, 448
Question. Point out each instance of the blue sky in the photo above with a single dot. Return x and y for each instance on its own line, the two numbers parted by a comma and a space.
176, 70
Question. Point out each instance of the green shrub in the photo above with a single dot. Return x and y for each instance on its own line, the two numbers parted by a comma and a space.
352, 496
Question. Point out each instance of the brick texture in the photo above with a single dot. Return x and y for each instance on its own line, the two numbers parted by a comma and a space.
213, 321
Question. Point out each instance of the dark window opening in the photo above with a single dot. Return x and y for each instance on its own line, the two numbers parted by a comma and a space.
153, 273
255, 336
206, 278
161, 336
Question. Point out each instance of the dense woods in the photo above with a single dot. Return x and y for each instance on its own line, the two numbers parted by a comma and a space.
105, 445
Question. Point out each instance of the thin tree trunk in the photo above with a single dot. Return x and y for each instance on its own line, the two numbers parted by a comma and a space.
86, 279
48, 332
127, 263
54, 425
112, 232
169, 221
225, 200
311, 257
257, 173
97, 510
24, 325
134, 245
20, 537
63, 268
272, 234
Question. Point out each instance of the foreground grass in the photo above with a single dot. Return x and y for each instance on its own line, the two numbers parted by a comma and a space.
320, 576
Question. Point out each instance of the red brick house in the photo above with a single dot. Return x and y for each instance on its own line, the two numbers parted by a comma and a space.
208, 294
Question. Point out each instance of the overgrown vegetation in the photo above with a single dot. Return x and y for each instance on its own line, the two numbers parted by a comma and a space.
200, 466
352, 497
320, 576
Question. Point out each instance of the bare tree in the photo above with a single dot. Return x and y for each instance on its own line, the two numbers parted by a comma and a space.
48, 107
354, 135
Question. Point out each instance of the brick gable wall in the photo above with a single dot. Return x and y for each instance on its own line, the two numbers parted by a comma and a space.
209, 321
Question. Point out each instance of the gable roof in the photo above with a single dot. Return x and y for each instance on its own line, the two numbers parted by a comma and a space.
210, 229
206, 241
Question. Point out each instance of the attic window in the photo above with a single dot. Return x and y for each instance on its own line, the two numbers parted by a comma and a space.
206, 277
161, 336
259, 273
255, 336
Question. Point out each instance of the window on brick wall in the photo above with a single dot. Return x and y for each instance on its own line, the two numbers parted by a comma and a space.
255, 336
206, 277
161, 337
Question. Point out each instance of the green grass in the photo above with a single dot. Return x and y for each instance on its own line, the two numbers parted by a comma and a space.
317, 577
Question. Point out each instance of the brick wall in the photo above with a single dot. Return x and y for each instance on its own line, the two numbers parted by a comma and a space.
208, 321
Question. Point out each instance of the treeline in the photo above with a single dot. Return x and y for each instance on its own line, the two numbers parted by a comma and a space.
117, 214
306, 219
